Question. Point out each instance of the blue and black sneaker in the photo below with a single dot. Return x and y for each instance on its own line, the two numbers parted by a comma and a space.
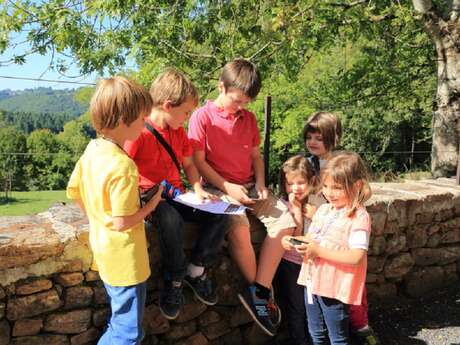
274, 310
259, 309
203, 289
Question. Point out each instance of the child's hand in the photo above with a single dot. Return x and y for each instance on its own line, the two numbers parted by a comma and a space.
308, 251
295, 204
202, 194
309, 211
262, 191
239, 193
285, 243
156, 198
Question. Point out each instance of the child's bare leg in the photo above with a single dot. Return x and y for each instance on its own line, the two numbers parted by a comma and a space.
242, 252
270, 257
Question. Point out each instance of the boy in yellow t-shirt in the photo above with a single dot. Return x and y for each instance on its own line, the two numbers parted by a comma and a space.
105, 184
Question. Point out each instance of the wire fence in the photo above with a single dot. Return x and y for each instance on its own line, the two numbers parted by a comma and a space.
380, 153
47, 80
359, 152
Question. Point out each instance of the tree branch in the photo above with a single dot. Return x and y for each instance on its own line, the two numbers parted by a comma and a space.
455, 10
347, 6
185, 53
422, 6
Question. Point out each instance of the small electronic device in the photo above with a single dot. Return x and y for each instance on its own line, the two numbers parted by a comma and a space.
296, 242
169, 191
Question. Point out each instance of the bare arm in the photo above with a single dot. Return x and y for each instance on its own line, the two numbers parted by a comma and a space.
347, 257
297, 214
258, 166
126, 222
194, 178
190, 170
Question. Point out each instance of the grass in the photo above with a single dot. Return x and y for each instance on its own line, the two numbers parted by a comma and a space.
27, 203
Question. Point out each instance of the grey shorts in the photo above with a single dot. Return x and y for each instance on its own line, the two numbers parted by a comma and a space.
272, 212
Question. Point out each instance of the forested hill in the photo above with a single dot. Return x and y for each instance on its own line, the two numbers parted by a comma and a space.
41, 100
42, 107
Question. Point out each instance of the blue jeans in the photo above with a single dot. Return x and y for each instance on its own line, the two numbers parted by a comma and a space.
328, 315
169, 218
125, 324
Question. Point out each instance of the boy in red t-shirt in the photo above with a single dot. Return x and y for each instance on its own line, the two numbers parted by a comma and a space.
226, 142
174, 98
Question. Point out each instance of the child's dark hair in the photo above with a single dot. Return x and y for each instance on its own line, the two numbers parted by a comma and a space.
347, 169
118, 98
243, 75
297, 164
328, 125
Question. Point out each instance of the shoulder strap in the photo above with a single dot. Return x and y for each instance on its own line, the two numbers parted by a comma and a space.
164, 143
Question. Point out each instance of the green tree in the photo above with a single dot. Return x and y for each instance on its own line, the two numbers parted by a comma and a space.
74, 137
280, 36
48, 164
12, 144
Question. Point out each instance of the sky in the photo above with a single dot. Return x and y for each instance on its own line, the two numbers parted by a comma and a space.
36, 67
33, 68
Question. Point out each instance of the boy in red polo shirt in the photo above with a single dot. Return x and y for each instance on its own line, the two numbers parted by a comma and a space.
226, 142
174, 98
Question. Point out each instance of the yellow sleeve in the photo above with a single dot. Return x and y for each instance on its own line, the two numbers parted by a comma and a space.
124, 193
73, 186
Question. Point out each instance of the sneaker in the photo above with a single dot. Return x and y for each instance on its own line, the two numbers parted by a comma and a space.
171, 300
367, 336
258, 309
274, 310
202, 288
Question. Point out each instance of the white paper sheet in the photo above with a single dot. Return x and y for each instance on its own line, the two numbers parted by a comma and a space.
219, 207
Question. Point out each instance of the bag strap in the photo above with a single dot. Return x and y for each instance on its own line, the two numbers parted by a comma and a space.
164, 143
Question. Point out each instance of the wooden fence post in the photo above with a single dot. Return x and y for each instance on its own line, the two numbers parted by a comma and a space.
458, 165
267, 119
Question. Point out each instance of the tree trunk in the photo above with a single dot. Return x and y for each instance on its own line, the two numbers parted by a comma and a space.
444, 153
445, 33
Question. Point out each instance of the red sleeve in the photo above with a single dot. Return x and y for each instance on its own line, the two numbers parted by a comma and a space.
131, 147
197, 129
187, 150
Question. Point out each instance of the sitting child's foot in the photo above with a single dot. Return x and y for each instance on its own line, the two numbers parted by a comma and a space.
259, 309
367, 336
202, 288
171, 299
274, 310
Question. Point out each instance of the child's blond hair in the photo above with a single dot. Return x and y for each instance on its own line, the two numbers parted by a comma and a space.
118, 98
172, 86
347, 169
328, 125
243, 75
297, 164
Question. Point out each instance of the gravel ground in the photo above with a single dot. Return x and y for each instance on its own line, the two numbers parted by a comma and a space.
431, 320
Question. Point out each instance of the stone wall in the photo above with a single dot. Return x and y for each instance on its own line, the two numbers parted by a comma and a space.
50, 296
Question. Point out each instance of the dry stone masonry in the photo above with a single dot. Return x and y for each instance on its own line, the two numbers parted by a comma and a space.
50, 296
